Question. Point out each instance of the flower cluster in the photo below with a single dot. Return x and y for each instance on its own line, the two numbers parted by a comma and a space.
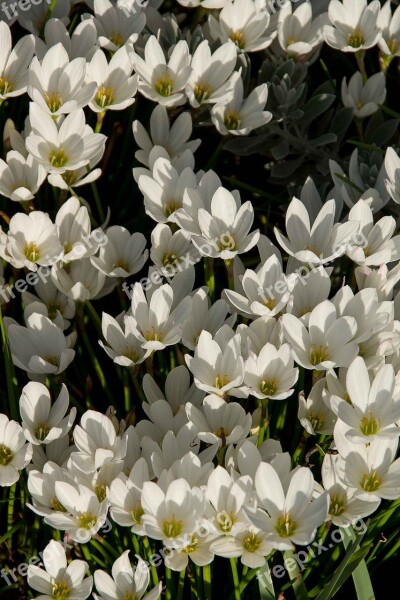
238, 329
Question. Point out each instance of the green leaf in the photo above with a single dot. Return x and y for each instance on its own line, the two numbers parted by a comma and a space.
265, 583
317, 105
341, 121
292, 567
345, 569
361, 578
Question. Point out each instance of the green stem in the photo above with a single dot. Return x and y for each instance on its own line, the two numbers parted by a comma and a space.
360, 55
207, 582
361, 578
229, 270
263, 421
210, 276
98, 202
235, 577
149, 553
169, 592
12, 384
10, 509
127, 390
181, 584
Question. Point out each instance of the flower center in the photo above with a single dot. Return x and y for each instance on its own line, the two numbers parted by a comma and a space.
285, 526
101, 491
192, 546
60, 590
251, 542
42, 431
393, 45
87, 520
31, 252
136, 513
318, 355
104, 96
317, 421
56, 505
117, 39
312, 249
221, 381
232, 120
355, 39
337, 505
237, 38
170, 258
269, 387
370, 482
201, 92
164, 86
121, 264
171, 207
153, 336
53, 101
226, 521
172, 528
369, 425
131, 354
291, 41
58, 158
271, 303
6, 455
5, 86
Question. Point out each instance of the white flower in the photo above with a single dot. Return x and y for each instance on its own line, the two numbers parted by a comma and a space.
35, 18
163, 189
125, 497
310, 288
247, 27
320, 241
85, 514
74, 231
392, 165
240, 116
210, 79
171, 252
81, 43
160, 81
289, 515
271, 373
377, 246
125, 582
97, 441
225, 229
263, 292
226, 499
217, 364
123, 254
327, 343
157, 325
15, 453
389, 24
298, 34
344, 505
364, 98
67, 148
58, 85
173, 515
314, 414
33, 240
42, 422
370, 469
251, 545
115, 25
124, 346
80, 280
205, 316
20, 177
373, 410
40, 348
55, 301
14, 63
57, 579
354, 25
219, 423
173, 138
381, 279
114, 81
208, 4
